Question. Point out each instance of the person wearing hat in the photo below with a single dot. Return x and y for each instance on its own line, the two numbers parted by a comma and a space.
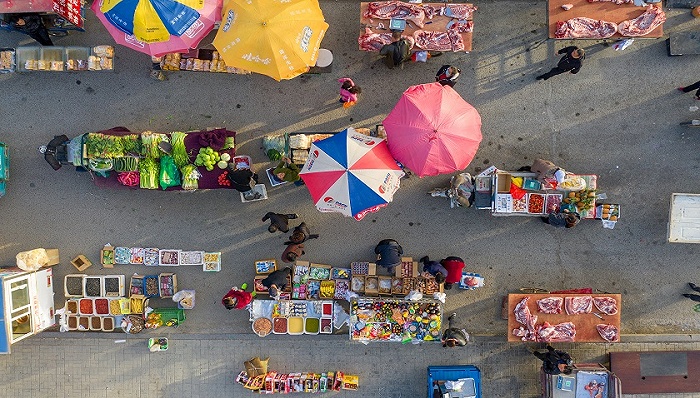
237, 298
292, 252
300, 234
447, 75
277, 281
554, 361
278, 222
570, 62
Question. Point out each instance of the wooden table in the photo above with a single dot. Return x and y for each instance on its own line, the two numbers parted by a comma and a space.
586, 331
438, 23
606, 11
655, 372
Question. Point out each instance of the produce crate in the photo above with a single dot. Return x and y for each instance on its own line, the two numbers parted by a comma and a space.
136, 286
150, 286
265, 266
107, 256
167, 314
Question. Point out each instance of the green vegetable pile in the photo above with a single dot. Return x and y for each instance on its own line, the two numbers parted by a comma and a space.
131, 144
103, 146
150, 141
190, 175
148, 173
127, 163
207, 157
180, 156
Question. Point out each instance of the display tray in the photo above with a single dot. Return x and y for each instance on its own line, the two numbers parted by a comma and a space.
437, 23
7, 60
62, 59
604, 10
586, 331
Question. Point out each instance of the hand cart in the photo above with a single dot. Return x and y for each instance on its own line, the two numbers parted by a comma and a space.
438, 376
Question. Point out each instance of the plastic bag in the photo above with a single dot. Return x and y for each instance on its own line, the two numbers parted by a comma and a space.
169, 174
273, 145
32, 260
622, 44
414, 295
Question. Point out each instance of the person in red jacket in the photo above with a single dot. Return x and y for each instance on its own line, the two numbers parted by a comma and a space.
236, 298
454, 266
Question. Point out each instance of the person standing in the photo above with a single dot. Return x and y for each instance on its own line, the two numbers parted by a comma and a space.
454, 266
454, 337
237, 298
554, 361
447, 75
278, 222
277, 281
570, 62
434, 268
396, 53
388, 253
292, 252
31, 25
243, 180
694, 86
301, 234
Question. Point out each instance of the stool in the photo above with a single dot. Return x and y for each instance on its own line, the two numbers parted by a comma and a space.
325, 58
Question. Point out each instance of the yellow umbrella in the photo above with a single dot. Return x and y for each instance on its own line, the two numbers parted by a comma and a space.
277, 38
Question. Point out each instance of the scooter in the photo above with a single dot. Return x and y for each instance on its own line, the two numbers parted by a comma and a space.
460, 191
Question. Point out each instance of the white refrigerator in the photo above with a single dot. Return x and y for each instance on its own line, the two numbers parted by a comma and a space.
27, 305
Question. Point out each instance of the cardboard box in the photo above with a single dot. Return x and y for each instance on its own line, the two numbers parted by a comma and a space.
350, 382
384, 286
482, 184
340, 273
341, 287
165, 289
327, 289
136, 284
320, 271
503, 203
137, 303
396, 285
531, 184
264, 267
357, 284
363, 268
503, 182
81, 263
107, 256
300, 272
53, 256
489, 171
408, 285
408, 268
313, 289
371, 286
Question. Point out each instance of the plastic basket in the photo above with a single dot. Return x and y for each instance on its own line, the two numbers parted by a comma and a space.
167, 314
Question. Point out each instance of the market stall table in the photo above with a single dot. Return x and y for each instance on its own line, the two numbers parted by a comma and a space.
438, 23
586, 331
292, 317
380, 319
603, 10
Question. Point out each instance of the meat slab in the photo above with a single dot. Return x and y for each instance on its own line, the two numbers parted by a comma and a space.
643, 24
618, 2
524, 317
460, 11
561, 332
451, 40
607, 305
585, 28
372, 41
608, 332
578, 305
550, 305
396, 9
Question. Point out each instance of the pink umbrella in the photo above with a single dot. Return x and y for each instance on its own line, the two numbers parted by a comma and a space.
209, 14
432, 130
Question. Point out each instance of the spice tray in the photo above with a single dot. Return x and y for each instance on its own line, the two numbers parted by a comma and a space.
114, 285
86, 306
73, 285
93, 286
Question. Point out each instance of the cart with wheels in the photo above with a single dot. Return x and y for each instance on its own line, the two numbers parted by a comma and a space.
441, 379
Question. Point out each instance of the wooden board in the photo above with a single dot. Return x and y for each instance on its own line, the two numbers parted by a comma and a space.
684, 43
606, 11
628, 368
438, 23
586, 331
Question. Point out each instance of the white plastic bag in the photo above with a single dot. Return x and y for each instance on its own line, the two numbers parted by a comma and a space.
414, 295
440, 297
622, 44
32, 260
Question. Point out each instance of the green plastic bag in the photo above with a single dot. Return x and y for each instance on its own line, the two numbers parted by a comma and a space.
169, 174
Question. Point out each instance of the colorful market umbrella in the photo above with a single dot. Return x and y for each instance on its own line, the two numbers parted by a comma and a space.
432, 130
277, 38
158, 27
351, 173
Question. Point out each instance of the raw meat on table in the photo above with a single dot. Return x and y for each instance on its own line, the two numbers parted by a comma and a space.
579, 305
643, 24
561, 332
585, 28
550, 305
618, 2
431, 11
461, 25
456, 38
371, 41
608, 332
395, 9
460, 11
607, 305
523, 316
451, 40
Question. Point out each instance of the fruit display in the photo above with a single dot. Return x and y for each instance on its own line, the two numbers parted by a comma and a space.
610, 212
395, 320
584, 199
535, 203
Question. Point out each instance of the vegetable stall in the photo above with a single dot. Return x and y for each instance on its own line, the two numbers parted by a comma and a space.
150, 160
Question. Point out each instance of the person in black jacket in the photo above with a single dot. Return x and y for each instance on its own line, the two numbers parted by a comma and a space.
277, 281
388, 253
554, 361
301, 234
278, 222
397, 52
447, 75
31, 25
243, 180
570, 62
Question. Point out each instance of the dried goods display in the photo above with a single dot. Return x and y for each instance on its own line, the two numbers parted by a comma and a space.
151, 285
101, 306
395, 320
262, 326
122, 255
74, 285
169, 257
191, 258
93, 286
150, 256
535, 203
136, 255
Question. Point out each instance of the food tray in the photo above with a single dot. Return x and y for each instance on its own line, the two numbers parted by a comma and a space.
553, 203
72, 306
122, 255
262, 326
167, 285
327, 289
150, 256
86, 306
326, 326
93, 286
24, 54
312, 325
107, 324
520, 205
114, 307
150, 286
212, 262
114, 285
191, 258
136, 255
295, 325
8, 62
535, 203
169, 258
340, 273
101, 306
279, 325
73, 285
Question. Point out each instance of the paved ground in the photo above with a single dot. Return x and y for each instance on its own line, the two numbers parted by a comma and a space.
617, 118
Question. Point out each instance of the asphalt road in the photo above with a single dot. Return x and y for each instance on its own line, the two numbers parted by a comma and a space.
617, 118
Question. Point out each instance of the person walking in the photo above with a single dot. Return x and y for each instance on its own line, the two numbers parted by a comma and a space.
397, 52
301, 234
237, 298
570, 62
554, 361
388, 253
694, 297
452, 336
348, 92
447, 75
292, 252
277, 281
434, 268
454, 266
694, 86
279, 222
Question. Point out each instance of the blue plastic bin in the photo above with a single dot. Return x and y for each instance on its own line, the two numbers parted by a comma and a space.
444, 373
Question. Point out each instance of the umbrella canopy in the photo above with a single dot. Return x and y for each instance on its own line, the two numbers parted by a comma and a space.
351, 173
277, 38
158, 27
432, 130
